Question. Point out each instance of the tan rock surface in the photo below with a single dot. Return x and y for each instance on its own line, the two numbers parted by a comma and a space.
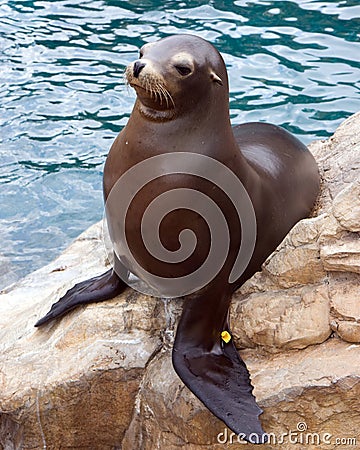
72, 384
320, 256
315, 387
101, 378
346, 207
276, 319
343, 256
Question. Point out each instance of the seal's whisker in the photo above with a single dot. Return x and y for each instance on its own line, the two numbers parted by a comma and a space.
151, 89
125, 76
168, 96
147, 85
159, 92
164, 92
155, 87
156, 93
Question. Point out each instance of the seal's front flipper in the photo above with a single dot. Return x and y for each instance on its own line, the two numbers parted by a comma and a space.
97, 289
213, 370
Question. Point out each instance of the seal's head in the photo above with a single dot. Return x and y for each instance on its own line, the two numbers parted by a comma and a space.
175, 75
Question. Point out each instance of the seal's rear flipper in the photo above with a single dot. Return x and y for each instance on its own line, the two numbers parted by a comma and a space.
215, 373
97, 289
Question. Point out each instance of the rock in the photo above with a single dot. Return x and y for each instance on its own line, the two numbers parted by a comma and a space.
102, 378
269, 309
343, 256
339, 161
345, 305
346, 207
347, 330
278, 320
313, 390
296, 262
82, 374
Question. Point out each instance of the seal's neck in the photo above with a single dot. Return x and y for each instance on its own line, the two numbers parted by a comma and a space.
210, 116
155, 115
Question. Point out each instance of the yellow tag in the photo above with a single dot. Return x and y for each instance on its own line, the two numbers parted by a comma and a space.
226, 337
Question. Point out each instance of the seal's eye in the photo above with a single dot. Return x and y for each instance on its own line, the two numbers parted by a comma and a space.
141, 54
183, 70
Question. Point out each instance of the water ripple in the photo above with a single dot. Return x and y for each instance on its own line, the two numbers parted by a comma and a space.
63, 97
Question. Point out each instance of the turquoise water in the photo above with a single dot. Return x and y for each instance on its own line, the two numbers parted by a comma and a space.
63, 98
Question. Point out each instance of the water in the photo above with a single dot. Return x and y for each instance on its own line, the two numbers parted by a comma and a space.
63, 98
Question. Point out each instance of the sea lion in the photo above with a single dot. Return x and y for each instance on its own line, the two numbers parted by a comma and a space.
181, 118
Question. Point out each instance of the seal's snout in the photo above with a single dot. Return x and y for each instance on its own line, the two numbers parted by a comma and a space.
138, 67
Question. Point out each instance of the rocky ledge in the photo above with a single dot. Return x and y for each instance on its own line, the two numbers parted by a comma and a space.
101, 378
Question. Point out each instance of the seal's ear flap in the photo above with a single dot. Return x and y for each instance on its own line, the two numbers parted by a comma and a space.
216, 78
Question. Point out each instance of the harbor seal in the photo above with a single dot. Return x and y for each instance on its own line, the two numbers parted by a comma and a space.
179, 138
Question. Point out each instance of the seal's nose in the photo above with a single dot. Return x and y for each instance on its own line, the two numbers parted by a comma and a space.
138, 67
